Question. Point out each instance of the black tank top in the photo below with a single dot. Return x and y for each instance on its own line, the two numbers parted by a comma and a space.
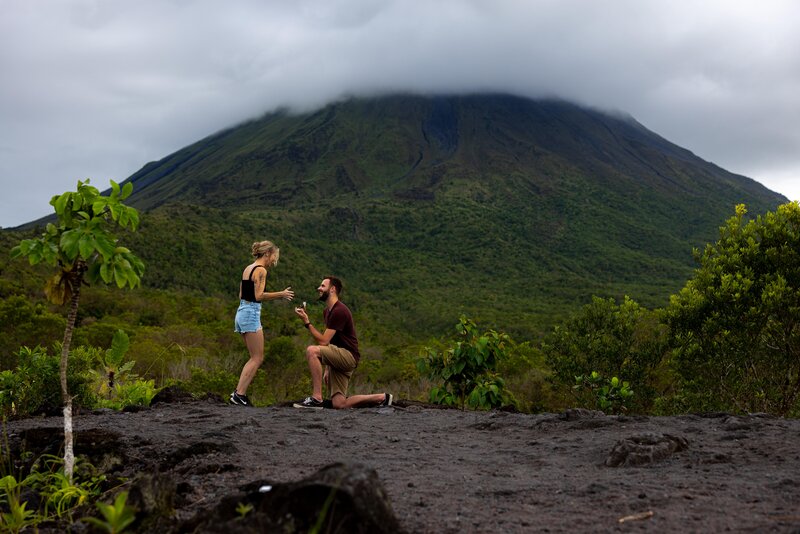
248, 287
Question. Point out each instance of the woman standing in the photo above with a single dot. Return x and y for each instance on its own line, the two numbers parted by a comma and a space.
248, 316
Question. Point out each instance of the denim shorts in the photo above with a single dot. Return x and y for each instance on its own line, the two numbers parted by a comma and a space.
248, 317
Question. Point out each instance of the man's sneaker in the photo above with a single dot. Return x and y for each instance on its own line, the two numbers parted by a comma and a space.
309, 402
239, 400
387, 400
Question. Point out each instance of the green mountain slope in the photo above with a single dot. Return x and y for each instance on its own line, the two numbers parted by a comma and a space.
510, 210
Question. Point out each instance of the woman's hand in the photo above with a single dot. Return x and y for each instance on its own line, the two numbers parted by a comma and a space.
287, 294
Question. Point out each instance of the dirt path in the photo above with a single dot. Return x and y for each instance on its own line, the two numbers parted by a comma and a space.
448, 471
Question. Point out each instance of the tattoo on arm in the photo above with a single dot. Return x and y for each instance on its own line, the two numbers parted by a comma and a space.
261, 279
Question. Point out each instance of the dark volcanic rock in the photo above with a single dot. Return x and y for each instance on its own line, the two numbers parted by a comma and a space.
337, 498
445, 471
645, 449
172, 394
153, 498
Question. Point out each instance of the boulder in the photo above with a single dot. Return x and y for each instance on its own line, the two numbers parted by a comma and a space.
645, 449
337, 498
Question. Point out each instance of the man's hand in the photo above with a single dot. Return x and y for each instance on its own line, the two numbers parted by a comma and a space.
301, 312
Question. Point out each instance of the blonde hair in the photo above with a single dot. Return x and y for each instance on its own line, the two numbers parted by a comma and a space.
261, 248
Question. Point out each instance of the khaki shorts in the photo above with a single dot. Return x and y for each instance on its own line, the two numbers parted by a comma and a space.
341, 365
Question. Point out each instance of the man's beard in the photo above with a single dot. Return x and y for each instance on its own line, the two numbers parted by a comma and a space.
324, 296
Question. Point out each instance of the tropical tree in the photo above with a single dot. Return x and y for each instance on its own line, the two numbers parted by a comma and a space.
83, 248
736, 323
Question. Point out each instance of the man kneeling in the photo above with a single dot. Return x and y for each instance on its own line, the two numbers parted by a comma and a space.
337, 349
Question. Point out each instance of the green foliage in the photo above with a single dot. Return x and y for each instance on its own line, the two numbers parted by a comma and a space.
527, 378
204, 381
116, 517
281, 351
18, 516
9, 386
736, 323
427, 231
135, 393
34, 386
25, 322
467, 368
614, 340
114, 370
83, 248
57, 496
411, 267
243, 509
609, 395
82, 245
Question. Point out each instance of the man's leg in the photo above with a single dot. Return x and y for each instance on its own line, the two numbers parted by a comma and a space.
340, 402
314, 359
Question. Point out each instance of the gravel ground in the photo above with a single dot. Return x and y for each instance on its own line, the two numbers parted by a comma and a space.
451, 471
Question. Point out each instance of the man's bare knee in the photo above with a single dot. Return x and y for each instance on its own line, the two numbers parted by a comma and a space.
339, 401
313, 352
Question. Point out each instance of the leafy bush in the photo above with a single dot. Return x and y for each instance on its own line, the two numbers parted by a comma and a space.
204, 381
35, 385
281, 351
527, 379
116, 517
24, 322
609, 395
614, 340
467, 368
736, 323
114, 370
136, 393
56, 497
18, 516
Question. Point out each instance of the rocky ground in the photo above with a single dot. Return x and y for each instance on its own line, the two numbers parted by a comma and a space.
193, 462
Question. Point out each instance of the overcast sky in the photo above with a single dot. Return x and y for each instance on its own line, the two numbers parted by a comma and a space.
99, 88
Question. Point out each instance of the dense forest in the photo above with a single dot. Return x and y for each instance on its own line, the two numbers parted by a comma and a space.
737, 310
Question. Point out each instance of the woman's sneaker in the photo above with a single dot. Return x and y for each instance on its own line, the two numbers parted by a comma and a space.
239, 400
310, 402
387, 400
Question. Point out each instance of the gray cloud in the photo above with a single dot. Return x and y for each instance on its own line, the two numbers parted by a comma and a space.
97, 89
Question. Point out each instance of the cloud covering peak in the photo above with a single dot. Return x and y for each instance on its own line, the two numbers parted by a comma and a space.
97, 89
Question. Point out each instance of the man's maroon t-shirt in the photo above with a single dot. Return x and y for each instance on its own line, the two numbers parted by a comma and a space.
340, 319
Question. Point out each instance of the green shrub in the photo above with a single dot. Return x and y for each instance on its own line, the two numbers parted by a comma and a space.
736, 324
467, 368
24, 322
527, 378
116, 517
37, 381
56, 496
136, 393
609, 395
281, 351
203, 381
613, 340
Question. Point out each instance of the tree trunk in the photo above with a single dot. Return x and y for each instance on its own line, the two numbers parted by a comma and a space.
69, 456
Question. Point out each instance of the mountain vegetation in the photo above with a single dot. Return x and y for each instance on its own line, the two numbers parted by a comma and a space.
429, 208
511, 212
